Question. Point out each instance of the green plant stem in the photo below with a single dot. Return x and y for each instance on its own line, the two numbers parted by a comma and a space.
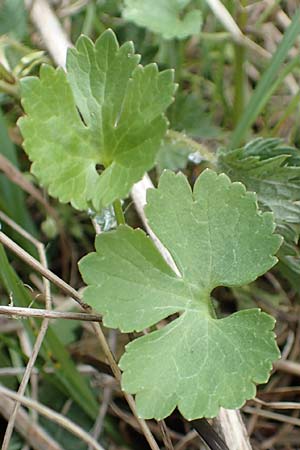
239, 83
119, 212
10, 89
5, 75
216, 37
87, 26
239, 72
180, 60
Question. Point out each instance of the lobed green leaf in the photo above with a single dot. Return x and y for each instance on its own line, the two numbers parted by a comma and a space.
217, 237
106, 111
272, 170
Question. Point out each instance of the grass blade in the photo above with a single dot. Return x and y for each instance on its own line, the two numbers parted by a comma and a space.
264, 90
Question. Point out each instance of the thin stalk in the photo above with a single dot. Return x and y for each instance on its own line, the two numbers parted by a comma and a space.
117, 374
32, 262
239, 83
179, 60
215, 37
239, 72
119, 212
89, 19
5, 75
10, 89
34, 354
53, 416
16, 311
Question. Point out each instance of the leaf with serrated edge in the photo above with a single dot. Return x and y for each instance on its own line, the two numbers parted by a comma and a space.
106, 110
272, 170
165, 17
217, 237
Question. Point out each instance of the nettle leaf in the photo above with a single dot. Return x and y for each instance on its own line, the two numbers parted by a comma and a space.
166, 17
106, 110
264, 166
217, 237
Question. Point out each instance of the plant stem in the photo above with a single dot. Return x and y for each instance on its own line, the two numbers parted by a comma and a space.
10, 89
36, 265
53, 416
87, 26
16, 311
239, 73
239, 82
119, 212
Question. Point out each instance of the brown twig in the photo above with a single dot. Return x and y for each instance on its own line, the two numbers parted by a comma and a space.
278, 405
165, 435
271, 415
52, 415
36, 437
32, 262
16, 311
17, 177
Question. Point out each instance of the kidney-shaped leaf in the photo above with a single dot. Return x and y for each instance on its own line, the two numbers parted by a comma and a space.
217, 237
106, 111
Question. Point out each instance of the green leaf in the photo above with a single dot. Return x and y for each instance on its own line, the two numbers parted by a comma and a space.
190, 114
107, 110
217, 237
166, 17
263, 166
173, 155
272, 170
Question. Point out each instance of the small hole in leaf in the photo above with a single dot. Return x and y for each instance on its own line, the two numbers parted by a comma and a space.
100, 168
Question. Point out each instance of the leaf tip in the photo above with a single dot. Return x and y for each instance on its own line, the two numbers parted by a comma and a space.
108, 36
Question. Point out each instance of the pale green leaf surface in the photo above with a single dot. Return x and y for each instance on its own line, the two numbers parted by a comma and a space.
197, 362
166, 17
106, 110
